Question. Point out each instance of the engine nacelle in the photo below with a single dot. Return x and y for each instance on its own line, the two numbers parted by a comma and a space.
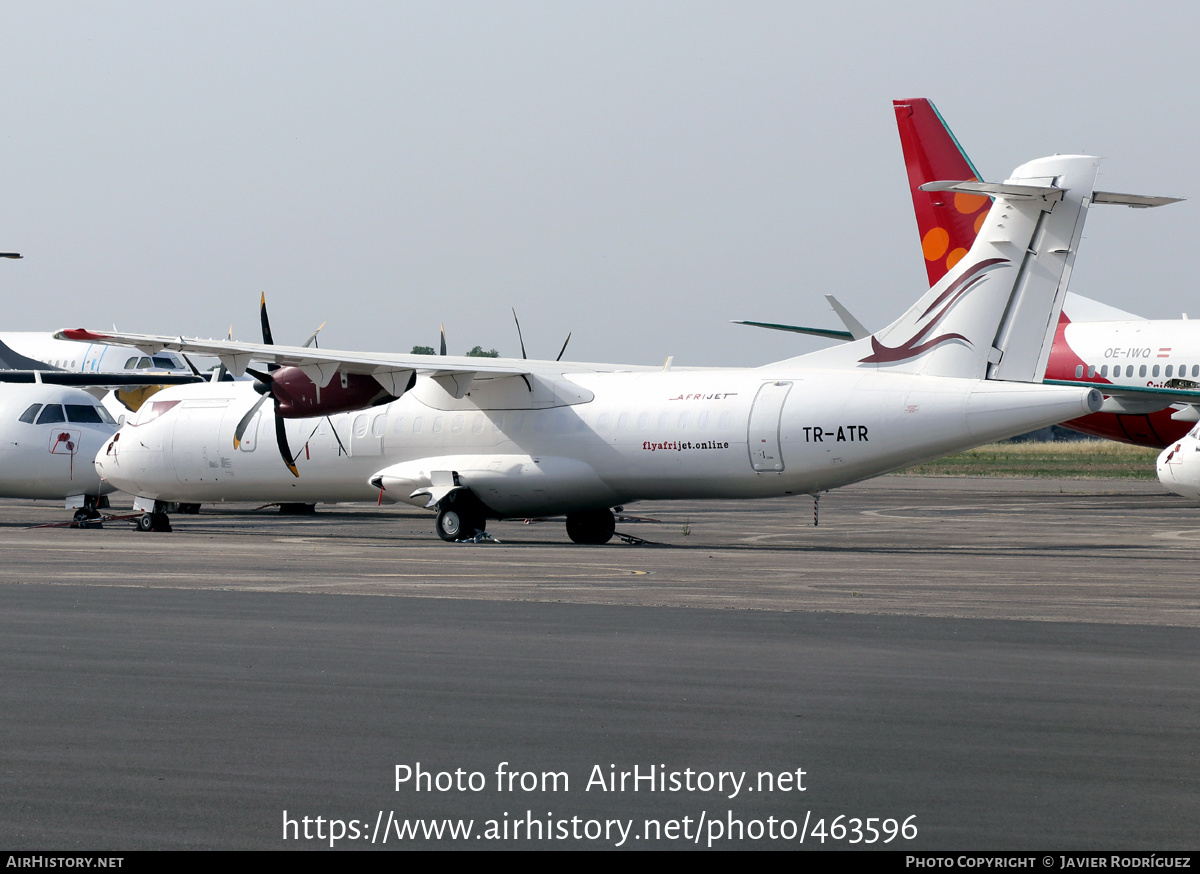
300, 398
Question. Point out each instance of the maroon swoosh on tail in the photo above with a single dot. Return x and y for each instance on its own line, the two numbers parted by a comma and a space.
913, 346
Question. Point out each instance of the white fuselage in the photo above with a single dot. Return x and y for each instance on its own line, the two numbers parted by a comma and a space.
87, 357
1138, 353
579, 440
51, 458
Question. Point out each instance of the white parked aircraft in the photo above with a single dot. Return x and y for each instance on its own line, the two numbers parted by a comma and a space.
1138, 363
49, 436
494, 438
36, 350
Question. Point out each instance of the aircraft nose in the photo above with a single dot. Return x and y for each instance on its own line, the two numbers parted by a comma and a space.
106, 458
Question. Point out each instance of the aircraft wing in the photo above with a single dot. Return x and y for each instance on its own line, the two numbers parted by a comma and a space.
319, 365
827, 333
1139, 399
98, 380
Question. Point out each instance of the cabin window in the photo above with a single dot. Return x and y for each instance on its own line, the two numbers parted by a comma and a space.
1142, 370
398, 425
702, 421
683, 421
360, 425
643, 421
1091, 371
726, 420
477, 424
418, 424
52, 413
30, 415
623, 422
456, 424
1078, 371
1170, 368
1104, 370
1154, 372
498, 422
602, 422
379, 425
437, 424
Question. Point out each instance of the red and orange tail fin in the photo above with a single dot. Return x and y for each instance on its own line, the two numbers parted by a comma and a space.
947, 222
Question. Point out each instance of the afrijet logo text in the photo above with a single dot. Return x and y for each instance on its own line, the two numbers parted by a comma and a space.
917, 344
719, 396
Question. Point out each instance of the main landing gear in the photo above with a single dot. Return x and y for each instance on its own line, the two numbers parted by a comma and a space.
591, 526
460, 517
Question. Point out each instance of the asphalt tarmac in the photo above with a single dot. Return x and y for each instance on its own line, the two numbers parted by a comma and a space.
943, 664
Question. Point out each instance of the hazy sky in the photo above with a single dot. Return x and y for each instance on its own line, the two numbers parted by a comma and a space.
638, 173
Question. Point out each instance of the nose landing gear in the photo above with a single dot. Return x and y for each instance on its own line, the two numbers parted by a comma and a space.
155, 520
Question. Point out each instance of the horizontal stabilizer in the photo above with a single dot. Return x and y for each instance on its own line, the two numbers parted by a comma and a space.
1136, 201
1045, 193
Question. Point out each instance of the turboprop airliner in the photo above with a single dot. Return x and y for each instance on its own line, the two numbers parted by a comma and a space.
479, 439
49, 436
1136, 362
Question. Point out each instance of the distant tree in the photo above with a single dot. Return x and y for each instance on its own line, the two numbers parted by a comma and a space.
423, 350
478, 352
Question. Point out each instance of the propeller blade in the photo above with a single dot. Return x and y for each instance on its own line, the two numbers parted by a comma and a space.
443, 327
519, 337
312, 339
284, 450
264, 378
240, 430
564, 348
268, 340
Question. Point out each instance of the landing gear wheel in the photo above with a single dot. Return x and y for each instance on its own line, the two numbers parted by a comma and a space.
156, 521
455, 523
591, 526
88, 516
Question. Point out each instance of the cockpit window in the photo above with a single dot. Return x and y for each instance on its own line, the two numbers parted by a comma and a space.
151, 411
86, 414
52, 413
165, 363
131, 363
29, 415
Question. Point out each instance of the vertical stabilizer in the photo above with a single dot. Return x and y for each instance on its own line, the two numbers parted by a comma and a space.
946, 221
993, 314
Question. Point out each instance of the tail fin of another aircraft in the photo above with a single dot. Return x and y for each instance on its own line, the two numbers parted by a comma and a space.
947, 221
